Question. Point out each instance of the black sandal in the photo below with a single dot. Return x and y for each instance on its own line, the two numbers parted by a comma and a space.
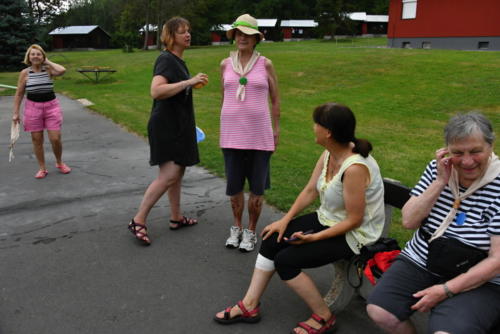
140, 232
184, 222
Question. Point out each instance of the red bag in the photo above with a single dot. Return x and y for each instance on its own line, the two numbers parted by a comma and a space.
380, 262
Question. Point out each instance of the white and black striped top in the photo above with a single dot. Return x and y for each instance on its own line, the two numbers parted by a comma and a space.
482, 210
39, 86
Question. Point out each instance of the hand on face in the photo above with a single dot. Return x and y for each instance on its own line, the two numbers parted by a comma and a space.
443, 165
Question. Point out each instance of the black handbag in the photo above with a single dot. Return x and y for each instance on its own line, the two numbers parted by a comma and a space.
449, 257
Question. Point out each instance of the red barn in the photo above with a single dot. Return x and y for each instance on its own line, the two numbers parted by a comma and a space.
444, 24
79, 38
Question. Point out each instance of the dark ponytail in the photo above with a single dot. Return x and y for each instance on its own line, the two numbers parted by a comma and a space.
340, 120
362, 146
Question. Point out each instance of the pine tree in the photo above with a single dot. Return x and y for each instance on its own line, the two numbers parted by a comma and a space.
16, 34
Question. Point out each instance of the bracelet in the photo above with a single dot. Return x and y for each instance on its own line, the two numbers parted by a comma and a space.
449, 294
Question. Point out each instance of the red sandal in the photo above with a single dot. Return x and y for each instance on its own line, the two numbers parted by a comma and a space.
327, 326
140, 232
184, 222
250, 317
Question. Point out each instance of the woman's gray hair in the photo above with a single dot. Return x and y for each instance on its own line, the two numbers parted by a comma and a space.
465, 125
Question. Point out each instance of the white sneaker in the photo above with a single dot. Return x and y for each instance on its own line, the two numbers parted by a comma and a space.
248, 241
234, 237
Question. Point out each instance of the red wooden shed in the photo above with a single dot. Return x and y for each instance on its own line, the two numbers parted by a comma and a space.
80, 38
444, 24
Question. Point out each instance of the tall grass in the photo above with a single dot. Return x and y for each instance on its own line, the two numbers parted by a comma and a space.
402, 99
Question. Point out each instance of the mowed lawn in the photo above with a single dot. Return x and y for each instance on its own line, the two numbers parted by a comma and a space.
402, 99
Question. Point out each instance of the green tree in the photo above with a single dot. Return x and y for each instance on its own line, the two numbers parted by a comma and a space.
203, 14
16, 34
43, 11
329, 16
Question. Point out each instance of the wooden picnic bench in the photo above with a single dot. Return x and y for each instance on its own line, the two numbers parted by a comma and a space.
93, 73
342, 291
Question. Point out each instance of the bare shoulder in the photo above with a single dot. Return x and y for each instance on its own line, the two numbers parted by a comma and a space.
23, 75
357, 172
269, 64
321, 159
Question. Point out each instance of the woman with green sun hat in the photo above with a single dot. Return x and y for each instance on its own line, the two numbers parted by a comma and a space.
249, 129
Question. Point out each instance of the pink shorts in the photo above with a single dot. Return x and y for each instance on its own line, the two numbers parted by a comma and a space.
39, 116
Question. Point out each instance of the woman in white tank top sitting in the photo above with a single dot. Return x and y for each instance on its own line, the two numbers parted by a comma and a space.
351, 214
41, 108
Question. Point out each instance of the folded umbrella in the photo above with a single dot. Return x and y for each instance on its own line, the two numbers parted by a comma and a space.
14, 136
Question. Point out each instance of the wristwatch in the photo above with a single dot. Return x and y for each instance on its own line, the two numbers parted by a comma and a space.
447, 291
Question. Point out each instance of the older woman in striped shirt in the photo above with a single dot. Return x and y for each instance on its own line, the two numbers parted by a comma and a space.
456, 201
41, 109
249, 131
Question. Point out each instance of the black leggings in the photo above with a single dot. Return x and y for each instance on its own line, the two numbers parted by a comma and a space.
290, 259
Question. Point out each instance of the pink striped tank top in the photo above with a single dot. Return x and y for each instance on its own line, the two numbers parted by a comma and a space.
246, 124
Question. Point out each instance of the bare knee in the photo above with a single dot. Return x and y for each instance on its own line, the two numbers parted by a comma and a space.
168, 181
54, 136
255, 201
170, 174
37, 138
55, 141
383, 318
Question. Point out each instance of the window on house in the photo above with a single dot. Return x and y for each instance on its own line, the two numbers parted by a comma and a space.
483, 45
409, 9
426, 45
406, 45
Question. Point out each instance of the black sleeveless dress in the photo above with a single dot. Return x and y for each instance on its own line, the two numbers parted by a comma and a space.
171, 127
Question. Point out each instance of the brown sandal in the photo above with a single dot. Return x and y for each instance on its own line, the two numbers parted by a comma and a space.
140, 232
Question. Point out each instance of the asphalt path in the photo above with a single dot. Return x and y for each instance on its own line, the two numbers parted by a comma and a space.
69, 265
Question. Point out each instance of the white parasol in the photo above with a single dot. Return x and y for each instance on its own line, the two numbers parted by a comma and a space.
14, 136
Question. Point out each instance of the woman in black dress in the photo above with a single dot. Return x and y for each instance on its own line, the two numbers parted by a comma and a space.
171, 128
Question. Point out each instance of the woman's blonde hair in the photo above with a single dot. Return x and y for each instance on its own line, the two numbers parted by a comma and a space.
27, 55
169, 30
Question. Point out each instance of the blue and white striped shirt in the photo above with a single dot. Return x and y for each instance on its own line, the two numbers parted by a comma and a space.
482, 210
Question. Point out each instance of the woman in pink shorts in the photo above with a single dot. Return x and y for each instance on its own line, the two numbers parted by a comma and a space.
41, 109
